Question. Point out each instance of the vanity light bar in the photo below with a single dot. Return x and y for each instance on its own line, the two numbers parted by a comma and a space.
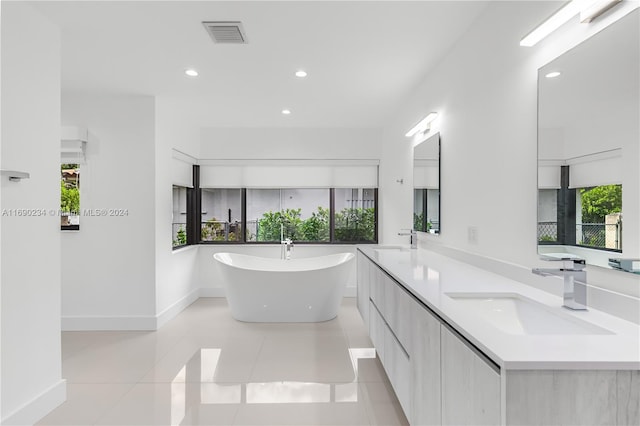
588, 10
596, 9
423, 125
557, 20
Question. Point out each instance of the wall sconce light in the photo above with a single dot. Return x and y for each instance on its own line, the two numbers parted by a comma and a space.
15, 176
588, 10
423, 125
599, 7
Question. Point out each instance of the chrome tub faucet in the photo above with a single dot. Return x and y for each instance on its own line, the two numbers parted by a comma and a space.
286, 246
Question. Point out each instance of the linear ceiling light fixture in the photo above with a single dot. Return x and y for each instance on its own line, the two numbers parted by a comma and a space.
423, 125
587, 9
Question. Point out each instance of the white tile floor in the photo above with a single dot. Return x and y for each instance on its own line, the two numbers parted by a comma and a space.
205, 368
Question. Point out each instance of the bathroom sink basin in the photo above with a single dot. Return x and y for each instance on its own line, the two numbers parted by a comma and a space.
383, 249
515, 314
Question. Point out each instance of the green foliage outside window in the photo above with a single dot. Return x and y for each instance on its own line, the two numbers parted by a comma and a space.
351, 224
418, 219
181, 237
355, 224
69, 198
316, 228
287, 222
214, 230
600, 201
418, 223
69, 191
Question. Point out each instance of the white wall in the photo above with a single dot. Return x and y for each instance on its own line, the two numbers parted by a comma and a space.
176, 272
30, 264
290, 143
485, 91
108, 267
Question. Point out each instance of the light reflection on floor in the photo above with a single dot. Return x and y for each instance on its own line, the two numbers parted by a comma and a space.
258, 393
203, 367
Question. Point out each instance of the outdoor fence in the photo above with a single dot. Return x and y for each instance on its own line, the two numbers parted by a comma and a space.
600, 235
548, 231
221, 230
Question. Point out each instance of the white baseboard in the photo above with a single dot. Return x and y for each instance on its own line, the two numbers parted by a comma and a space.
219, 292
137, 323
212, 292
350, 291
169, 313
150, 323
131, 323
32, 411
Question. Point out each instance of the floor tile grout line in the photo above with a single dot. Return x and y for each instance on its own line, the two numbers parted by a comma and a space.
255, 361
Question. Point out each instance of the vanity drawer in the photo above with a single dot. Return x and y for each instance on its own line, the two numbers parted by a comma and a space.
398, 311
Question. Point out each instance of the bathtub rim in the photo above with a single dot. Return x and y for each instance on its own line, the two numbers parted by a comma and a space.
346, 257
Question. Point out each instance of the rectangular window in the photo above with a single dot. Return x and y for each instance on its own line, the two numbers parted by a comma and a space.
426, 210
179, 221
221, 215
70, 197
355, 215
310, 215
298, 214
590, 217
599, 217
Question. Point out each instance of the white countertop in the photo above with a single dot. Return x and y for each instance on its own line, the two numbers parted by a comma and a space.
429, 276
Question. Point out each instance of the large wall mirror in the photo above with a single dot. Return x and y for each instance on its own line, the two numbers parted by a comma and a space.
426, 185
588, 147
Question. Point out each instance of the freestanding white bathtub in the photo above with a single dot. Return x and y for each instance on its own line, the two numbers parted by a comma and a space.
262, 289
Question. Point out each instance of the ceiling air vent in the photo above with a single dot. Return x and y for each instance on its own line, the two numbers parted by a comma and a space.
226, 32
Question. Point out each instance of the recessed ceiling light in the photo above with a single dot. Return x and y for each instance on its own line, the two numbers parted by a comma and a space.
553, 74
286, 111
191, 72
301, 73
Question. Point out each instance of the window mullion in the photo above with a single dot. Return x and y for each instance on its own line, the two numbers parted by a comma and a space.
332, 212
243, 214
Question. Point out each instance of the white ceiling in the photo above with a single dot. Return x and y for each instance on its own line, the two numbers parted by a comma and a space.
363, 58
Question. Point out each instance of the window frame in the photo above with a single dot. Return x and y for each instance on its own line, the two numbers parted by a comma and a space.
332, 240
194, 219
179, 246
243, 219
566, 216
72, 227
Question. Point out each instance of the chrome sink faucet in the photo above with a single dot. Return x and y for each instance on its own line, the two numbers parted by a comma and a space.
575, 280
413, 235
